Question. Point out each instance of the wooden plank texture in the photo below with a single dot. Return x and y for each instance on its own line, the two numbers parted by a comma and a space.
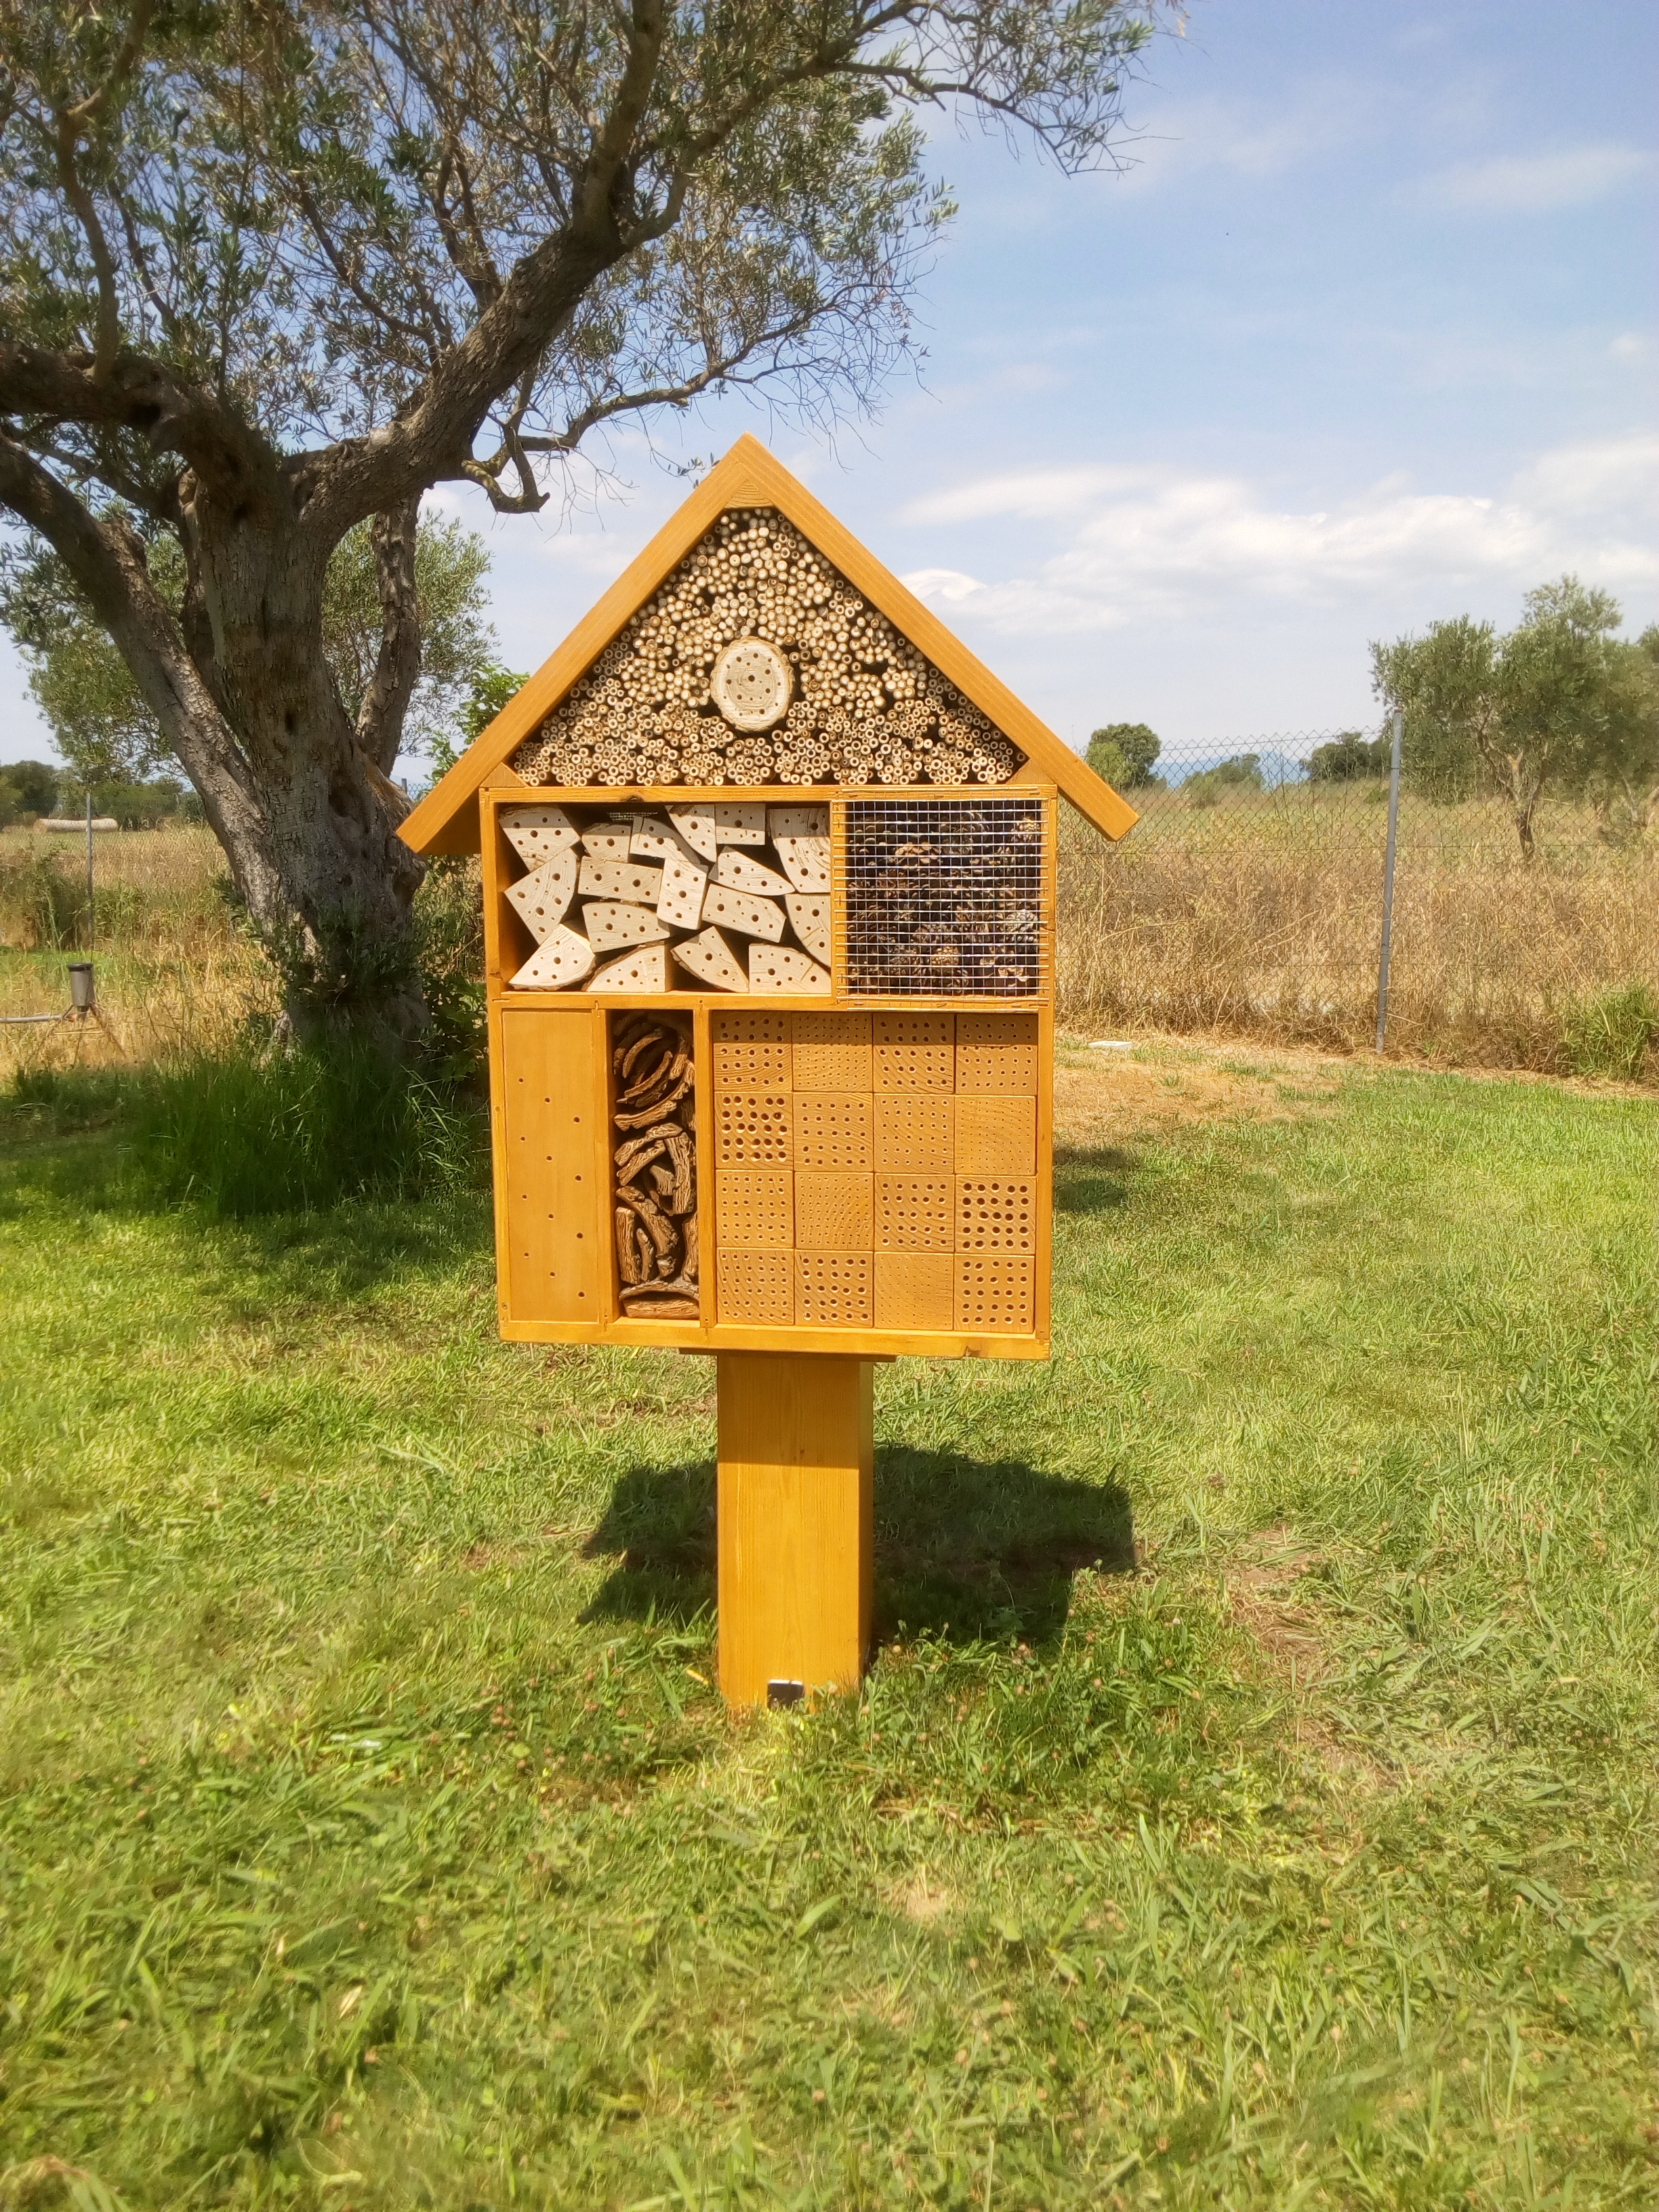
796, 1535
553, 1259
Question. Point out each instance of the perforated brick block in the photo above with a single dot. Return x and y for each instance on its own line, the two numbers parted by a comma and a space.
756, 1288
915, 1213
750, 1051
995, 1135
994, 1291
832, 1129
833, 1290
915, 1290
914, 1052
831, 1052
996, 1213
997, 1052
755, 1209
752, 1129
833, 1211
913, 1129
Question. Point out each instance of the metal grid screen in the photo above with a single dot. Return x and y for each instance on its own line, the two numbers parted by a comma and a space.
944, 898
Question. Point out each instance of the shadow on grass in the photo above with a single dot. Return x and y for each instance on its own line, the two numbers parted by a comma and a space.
966, 1550
1092, 1179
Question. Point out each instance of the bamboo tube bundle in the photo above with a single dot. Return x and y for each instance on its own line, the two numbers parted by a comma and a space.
866, 706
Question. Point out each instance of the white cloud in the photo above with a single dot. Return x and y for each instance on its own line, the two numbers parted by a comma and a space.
1150, 544
1536, 183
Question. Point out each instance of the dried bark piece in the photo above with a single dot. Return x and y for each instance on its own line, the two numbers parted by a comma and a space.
536, 833
742, 911
644, 970
711, 960
562, 958
741, 871
542, 899
779, 967
612, 922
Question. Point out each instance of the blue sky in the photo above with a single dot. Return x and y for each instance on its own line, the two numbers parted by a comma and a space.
1363, 335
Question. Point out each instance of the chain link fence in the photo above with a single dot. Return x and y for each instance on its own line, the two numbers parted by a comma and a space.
1249, 898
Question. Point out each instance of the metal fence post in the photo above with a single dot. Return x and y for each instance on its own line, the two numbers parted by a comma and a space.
1387, 882
90, 911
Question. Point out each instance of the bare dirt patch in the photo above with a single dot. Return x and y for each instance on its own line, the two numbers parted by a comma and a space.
1103, 1096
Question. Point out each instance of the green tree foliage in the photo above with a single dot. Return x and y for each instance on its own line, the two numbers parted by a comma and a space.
1228, 778
27, 790
1124, 752
1347, 758
1557, 703
99, 717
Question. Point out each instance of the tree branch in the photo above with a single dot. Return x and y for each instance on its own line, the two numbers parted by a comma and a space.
397, 666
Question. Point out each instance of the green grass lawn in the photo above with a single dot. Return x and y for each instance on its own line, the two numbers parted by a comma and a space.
1252, 1803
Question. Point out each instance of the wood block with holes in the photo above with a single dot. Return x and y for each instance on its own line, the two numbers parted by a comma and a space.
780, 969
995, 1135
832, 1130
833, 1290
739, 822
696, 825
756, 1209
997, 1052
756, 1290
685, 885
710, 960
996, 1213
915, 1290
743, 912
646, 970
915, 1212
554, 1256
563, 958
754, 1129
653, 840
537, 834
796, 1522
913, 1129
831, 1051
741, 871
915, 1052
611, 924
995, 1292
832, 1210
609, 841
809, 917
542, 899
751, 1050
638, 881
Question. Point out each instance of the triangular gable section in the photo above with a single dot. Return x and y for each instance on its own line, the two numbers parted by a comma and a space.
446, 820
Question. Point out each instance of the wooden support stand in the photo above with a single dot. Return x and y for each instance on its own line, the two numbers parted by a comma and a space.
796, 1523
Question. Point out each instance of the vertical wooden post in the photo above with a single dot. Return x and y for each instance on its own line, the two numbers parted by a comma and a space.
796, 1522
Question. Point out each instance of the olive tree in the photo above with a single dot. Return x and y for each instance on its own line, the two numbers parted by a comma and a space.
270, 272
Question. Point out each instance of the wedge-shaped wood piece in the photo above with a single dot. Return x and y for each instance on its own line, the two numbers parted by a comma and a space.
536, 833
797, 821
801, 834
809, 917
680, 899
609, 841
739, 822
542, 899
644, 970
711, 960
563, 958
780, 967
741, 871
653, 840
742, 911
633, 880
696, 825
611, 924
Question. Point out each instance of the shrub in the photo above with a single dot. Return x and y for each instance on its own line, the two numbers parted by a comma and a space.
1614, 1034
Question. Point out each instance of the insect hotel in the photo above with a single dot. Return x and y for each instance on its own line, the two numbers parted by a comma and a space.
769, 881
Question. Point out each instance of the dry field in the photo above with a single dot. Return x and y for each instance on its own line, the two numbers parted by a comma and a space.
1265, 919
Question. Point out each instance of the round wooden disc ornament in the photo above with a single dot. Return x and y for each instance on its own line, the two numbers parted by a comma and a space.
751, 685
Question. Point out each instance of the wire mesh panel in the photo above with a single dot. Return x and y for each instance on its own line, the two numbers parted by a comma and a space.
944, 899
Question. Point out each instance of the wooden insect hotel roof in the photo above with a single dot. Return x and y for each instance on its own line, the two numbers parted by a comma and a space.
883, 692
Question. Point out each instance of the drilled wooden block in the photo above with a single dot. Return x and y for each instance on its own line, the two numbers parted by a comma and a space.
994, 1291
542, 899
832, 1130
611, 924
739, 822
750, 1051
997, 1052
645, 970
563, 956
537, 834
742, 911
756, 1288
996, 1213
912, 1129
634, 880
809, 917
695, 825
915, 1290
832, 1211
752, 1129
915, 1213
833, 1290
995, 1135
831, 1052
914, 1052
756, 1208
781, 970
741, 871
